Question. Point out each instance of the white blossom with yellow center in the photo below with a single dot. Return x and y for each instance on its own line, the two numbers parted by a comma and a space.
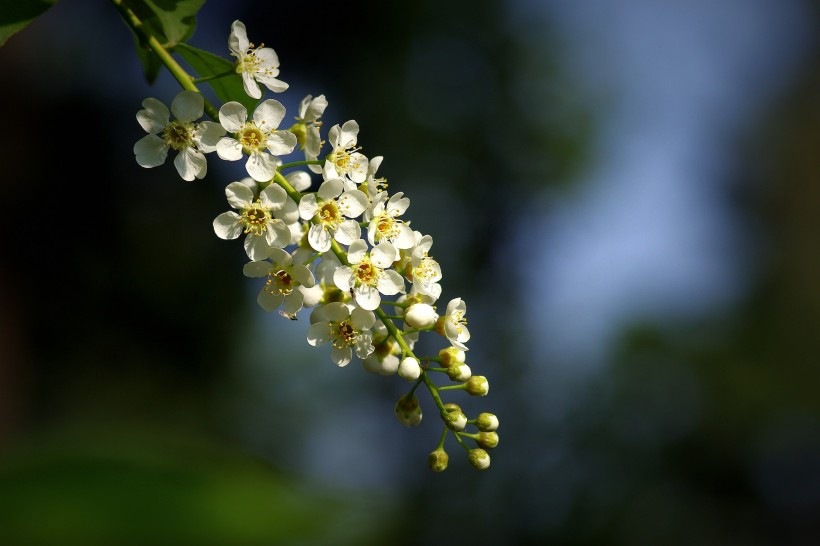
283, 279
254, 218
367, 276
258, 138
345, 161
345, 327
424, 270
332, 208
384, 223
455, 323
190, 140
254, 64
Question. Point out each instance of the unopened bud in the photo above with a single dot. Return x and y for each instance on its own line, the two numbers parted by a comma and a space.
409, 369
459, 373
477, 385
437, 460
487, 440
452, 356
407, 410
479, 458
420, 315
487, 422
455, 420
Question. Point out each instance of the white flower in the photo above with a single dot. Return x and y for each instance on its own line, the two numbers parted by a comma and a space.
284, 277
374, 186
191, 140
330, 206
254, 219
310, 110
346, 328
260, 64
384, 223
345, 160
425, 271
257, 138
367, 275
455, 324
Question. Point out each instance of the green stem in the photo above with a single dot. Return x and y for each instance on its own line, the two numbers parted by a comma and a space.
162, 53
301, 163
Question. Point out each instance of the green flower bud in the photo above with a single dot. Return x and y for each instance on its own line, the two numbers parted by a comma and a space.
487, 440
460, 372
407, 410
437, 460
455, 420
487, 422
479, 458
452, 356
478, 385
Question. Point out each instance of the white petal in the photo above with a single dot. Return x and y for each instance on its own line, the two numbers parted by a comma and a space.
308, 206
405, 239
238, 39
336, 311
343, 278
154, 117
356, 251
233, 116
268, 115
303, 275
281, 142
279, 257
348, 231
273, 196
330, 189
229, 149
227, 225
274, 84
277, 234
319, 238
256, 247
390, 283
352, 203
239, 195
300, 180
341, 356
256, 269
188, 105
362, 319
251, 87
261, 166
191, 164
347, 135
150, 151
383, 255
367, 297
318, 333
207, 135
293, 302
268, 301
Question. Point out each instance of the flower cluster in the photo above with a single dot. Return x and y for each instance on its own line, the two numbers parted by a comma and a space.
343, 250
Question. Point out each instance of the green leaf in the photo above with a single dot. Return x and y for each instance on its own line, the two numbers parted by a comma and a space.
227, 88
177, 18
16, 15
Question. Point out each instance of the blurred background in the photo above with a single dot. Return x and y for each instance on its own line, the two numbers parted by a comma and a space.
627, 196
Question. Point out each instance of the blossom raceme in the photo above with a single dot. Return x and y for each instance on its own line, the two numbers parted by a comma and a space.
190, 140
344, 251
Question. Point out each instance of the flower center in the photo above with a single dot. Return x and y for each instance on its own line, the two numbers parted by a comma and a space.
343, 334
255, 218
427, 271
346, 159
178, 135
280, 282
386, 226
367, 273
251, 138
329, 213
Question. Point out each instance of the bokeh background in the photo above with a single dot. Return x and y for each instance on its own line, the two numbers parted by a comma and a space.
627, 195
